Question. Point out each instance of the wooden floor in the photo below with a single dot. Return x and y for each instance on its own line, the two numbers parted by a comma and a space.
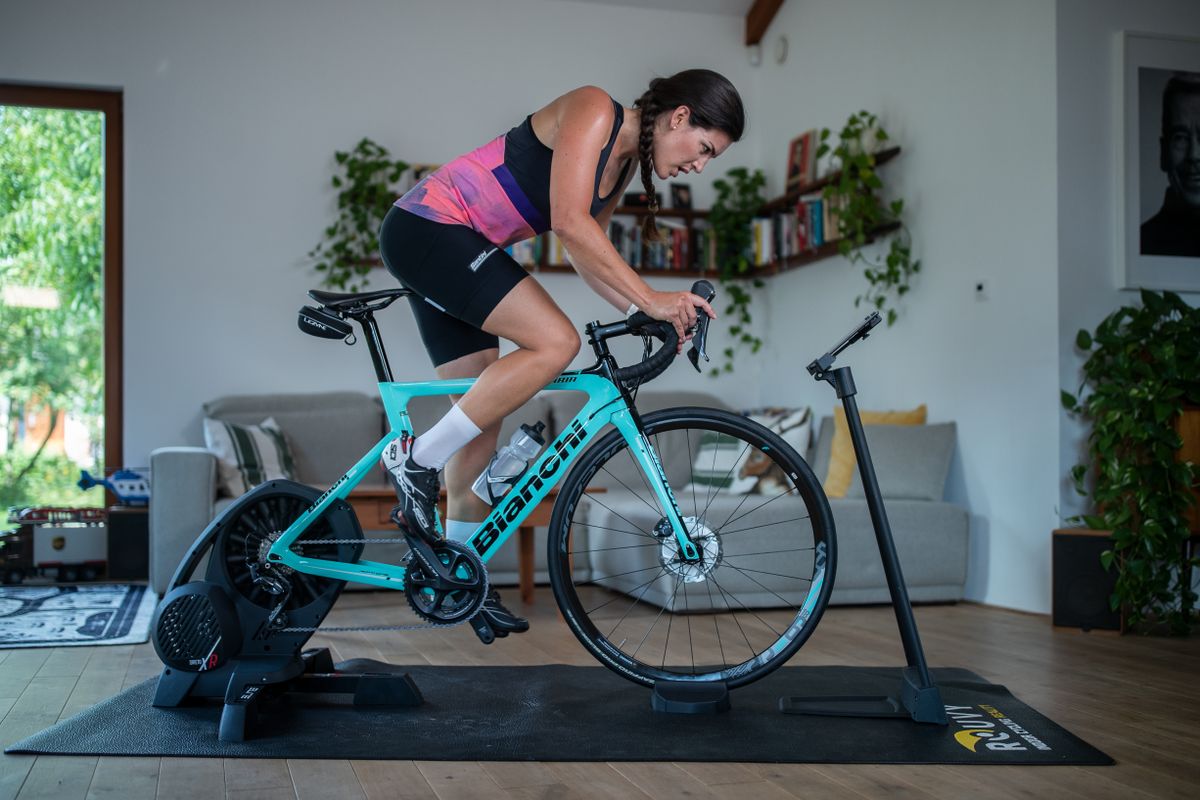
1138, 699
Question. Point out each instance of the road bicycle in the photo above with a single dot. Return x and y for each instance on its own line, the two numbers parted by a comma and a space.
664, 564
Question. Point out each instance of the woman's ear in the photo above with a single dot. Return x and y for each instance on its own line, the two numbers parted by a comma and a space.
680, 116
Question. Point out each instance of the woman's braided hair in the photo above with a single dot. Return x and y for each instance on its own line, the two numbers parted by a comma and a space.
713, 102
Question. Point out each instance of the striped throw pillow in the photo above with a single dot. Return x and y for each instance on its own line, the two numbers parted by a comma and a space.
248, 455
718, 463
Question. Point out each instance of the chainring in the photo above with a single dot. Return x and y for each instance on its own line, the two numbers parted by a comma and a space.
431, 602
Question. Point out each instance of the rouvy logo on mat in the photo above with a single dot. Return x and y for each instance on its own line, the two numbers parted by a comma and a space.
984, 724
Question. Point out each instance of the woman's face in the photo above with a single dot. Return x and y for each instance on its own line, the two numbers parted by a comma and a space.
681, 148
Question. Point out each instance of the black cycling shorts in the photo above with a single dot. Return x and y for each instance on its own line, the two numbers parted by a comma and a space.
460, 276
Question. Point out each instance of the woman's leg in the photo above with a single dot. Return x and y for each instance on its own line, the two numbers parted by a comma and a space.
546, 342
467, 464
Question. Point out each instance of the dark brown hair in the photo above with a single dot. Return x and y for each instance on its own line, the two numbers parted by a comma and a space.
714, 104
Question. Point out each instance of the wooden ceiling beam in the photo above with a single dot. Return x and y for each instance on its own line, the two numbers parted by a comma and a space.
758, 19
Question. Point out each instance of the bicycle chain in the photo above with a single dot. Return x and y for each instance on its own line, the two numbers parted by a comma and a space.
367, 628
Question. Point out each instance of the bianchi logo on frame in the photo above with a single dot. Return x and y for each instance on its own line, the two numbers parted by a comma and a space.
987, 728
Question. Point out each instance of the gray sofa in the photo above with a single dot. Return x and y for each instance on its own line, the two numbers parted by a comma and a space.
329, 431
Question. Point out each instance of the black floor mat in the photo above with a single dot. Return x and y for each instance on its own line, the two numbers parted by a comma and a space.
563, 713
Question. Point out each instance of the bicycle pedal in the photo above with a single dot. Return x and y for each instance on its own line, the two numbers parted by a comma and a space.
484, 631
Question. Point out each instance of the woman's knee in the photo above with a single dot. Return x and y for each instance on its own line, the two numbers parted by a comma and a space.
563, 344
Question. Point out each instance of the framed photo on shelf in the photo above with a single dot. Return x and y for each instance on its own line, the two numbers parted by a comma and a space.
1158, 177
802, 161
640, 200
681, 196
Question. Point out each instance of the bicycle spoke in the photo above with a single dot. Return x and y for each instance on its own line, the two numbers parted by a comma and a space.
772, 574
767, 552
756, 508
724, 533
632, 492
750, 610
621, 547
716, 627
639, 534
647, 585
618, 516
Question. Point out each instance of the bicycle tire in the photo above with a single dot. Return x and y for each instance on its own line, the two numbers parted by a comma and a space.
583, 588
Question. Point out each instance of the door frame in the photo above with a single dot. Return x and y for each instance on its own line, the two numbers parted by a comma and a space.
111, 102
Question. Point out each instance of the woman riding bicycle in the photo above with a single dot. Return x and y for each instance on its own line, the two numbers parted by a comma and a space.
564, 169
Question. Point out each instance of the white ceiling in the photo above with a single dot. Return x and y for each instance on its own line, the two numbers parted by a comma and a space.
733, 8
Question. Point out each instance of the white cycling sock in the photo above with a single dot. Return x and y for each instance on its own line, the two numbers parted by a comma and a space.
452, 432
460, 531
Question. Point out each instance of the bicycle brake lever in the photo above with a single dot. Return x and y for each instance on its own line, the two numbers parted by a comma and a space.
699, 340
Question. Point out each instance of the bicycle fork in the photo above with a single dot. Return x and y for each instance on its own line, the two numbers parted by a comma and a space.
647, 458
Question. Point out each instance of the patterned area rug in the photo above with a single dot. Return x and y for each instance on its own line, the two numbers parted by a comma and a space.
67, 616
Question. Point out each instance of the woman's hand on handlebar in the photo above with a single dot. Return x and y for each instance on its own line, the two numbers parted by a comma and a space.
679, 309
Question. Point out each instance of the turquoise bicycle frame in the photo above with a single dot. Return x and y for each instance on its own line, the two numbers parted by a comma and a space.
605, 405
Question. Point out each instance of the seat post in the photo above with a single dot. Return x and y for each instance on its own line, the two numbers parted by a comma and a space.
383, 370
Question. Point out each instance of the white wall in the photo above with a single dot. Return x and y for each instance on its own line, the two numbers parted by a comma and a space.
1087, 34
233, 111
965, 88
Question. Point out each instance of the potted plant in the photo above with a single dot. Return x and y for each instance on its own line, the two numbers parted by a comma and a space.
1142, 369
365, 179
861, 214
739, 199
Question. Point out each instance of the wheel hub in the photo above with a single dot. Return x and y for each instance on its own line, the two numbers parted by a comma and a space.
706, 541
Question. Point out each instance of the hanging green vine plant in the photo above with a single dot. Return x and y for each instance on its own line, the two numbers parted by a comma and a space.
365, 179
862, 215
739, 199
1143, 366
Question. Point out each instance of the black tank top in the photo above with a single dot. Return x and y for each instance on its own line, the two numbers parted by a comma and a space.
529, 162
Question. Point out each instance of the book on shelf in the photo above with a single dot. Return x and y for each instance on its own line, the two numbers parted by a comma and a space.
802, 160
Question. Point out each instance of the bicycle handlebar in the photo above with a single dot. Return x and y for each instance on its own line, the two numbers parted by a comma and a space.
644, 325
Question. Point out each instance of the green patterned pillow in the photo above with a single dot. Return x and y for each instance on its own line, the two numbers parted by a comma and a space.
248, 455
718, 464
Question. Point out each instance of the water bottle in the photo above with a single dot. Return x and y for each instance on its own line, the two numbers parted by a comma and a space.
509, 463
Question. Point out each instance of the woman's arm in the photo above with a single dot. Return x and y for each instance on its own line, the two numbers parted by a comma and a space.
585, 120
610, 294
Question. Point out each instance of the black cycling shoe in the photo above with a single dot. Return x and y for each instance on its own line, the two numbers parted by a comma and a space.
416, 488
499, 618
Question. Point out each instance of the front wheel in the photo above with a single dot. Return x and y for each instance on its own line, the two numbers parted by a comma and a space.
754, 510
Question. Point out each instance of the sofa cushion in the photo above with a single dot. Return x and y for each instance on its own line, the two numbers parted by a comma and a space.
328, 431
721, 463
841, 454
794, 426
248, 455
911, 461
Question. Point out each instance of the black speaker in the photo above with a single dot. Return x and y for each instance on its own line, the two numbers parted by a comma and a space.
1082, 587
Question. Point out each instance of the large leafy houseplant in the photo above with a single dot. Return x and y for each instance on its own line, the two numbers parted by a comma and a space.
364, 179
861, 213
1143, 367
739, 199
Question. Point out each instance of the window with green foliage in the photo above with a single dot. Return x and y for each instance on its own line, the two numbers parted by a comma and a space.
51, 304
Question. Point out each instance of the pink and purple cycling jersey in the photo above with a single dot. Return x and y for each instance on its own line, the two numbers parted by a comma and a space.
501, 190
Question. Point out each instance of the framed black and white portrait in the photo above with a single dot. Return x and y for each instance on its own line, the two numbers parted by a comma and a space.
1158, 166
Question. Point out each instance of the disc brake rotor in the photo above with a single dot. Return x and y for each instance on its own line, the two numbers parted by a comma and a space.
706, 541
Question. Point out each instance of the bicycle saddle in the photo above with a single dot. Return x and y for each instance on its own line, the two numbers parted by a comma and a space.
351, 300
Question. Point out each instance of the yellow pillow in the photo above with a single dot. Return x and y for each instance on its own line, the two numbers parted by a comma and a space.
841, 453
